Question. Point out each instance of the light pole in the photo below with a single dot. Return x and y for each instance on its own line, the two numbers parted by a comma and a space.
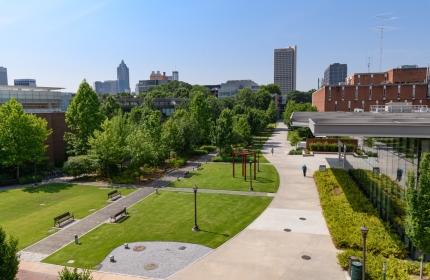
250, 176
34, 159
364, 231
195, 227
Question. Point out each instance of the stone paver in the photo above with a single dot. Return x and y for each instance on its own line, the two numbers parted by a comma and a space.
264, 250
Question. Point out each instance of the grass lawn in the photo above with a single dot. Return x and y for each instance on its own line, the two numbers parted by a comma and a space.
218, 176
22, 215
168, 216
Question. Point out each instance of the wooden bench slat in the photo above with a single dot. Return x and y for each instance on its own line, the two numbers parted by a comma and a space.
63, 217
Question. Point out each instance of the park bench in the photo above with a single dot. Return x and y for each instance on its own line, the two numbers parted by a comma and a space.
9, 182
120, 214
62, 218
186, 173
199, 167
113, 194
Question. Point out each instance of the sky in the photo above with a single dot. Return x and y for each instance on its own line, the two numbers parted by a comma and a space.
60, 43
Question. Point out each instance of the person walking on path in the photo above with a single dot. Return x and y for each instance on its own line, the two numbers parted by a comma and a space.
304, 170
399, 174
272, 151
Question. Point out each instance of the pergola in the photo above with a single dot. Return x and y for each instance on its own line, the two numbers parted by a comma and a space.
244, 154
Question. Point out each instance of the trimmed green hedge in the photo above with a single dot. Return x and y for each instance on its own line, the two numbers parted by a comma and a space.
329, 147
295, 152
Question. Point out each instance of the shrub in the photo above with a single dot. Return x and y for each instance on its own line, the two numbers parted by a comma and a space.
178, 162
66, 274
78, 165
346, 209
9, 259
350, 147
30, 179
5, 177
326, 146
371, 154
200, 152
359, 152
295, 152
208, 148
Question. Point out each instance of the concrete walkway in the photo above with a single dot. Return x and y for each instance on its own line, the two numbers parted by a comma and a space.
289, 240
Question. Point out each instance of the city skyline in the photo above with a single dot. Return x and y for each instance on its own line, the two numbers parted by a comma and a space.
204, 48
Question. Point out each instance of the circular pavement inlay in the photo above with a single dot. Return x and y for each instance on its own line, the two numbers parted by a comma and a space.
287, 230
51, 230
302, 219
41, 204
70, 261
150, 266
139, 248
92, 209
306, 257
182, 248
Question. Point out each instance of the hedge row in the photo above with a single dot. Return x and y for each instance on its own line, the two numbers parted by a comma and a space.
346, 209
329, 147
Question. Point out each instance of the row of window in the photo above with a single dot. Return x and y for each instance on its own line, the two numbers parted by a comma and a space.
384, 93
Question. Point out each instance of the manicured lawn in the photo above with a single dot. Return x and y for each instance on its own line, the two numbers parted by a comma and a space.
168, 216
218, 176
22, 215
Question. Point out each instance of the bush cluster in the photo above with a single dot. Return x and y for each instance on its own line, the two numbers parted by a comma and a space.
371, 154
178, 162
295, 152
387, 192
329, 147
30, 179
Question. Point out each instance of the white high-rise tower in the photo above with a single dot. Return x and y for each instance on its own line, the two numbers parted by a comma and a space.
285, 65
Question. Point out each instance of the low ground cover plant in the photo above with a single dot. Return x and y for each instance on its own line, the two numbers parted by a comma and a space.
295, 152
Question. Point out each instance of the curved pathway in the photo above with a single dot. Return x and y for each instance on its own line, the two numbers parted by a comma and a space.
278, 244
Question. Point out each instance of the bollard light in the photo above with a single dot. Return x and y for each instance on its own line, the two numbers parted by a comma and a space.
364, 231
156, 190
112, 259
125, 245
76, 239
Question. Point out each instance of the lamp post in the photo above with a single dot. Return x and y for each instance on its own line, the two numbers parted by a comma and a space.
364, 231
195, 227
258, 159
34, 159
250, 176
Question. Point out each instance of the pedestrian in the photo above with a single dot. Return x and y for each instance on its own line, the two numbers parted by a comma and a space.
272, 151
399, 174
304, 168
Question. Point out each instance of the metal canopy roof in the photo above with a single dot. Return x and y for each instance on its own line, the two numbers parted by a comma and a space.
364, 124
25, 88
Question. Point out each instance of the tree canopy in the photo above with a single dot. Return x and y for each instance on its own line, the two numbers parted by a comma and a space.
9, 258
300, 96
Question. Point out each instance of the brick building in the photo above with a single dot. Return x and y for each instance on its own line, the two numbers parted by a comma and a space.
362, 90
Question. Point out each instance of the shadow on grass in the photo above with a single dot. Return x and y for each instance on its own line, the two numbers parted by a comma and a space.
223, 234
263, 180
50, 188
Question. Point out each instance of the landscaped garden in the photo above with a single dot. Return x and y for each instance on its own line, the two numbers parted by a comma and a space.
168, 216
219, 176
28, 213
346, 209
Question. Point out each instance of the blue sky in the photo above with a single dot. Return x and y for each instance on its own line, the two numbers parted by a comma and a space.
59, 43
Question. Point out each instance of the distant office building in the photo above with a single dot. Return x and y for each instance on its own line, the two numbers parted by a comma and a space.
335, 74
213, 88
175, 76
158, 76
145, 85
232, 87
24, 82
3, 76
123, 77
110, 87
285, 65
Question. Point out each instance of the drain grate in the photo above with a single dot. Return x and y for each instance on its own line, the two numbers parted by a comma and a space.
302, 218
306, 257
287, 230
139, 248
150, 266
182, 248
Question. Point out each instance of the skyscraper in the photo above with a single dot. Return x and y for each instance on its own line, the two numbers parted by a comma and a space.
175, 75
285, 65
123, 78
335, 74
3, 76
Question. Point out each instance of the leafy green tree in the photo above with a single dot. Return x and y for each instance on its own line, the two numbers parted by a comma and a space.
170, 136
222, 132
291, 107
294, 138
369, 142
271, 88
257, 120
262, 99
215, 107
245, 97
189, 131
418, 208
123, 95
300, 96
241, 130
9, 258
157, 94
110, 107
200, 111
202, 89
22, 136
141, 95
228, 103
83, 117
271, 113
182, 93
172, 86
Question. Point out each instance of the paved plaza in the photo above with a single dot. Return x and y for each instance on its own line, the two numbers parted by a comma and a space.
289, 240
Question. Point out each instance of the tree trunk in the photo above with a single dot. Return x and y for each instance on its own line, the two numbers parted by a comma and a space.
17, 171
421, 266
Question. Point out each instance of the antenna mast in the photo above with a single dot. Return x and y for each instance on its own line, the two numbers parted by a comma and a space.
383, 29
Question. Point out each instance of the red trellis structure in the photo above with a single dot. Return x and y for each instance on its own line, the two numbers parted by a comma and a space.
244, 154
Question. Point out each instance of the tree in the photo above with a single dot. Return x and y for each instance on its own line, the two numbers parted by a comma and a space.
262, 99
222, 132
22, 136
189, 131
418, 208
200, 111
295, 138
215, 107
169, 136
110, 107
9, 258
300, 96
202, 89
291, 107
241, 130
227, 103
271, 113
257, 120
123, 95
83, 117
272, 88
369, 142
182, 93
245, 98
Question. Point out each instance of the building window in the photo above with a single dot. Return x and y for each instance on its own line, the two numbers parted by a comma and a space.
343, 93
356, 93
384, 93
398, 92
370, 93
349, 106
428, 91
329, 93
358, 79
413, 92
377, 103
362, 105
371, 79
385, 77
421, 102
335, 106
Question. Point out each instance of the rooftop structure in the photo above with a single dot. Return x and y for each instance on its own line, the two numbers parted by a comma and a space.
25, 82
3, 76
231, 87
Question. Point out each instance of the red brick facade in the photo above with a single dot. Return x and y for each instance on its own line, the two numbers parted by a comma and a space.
363, 90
